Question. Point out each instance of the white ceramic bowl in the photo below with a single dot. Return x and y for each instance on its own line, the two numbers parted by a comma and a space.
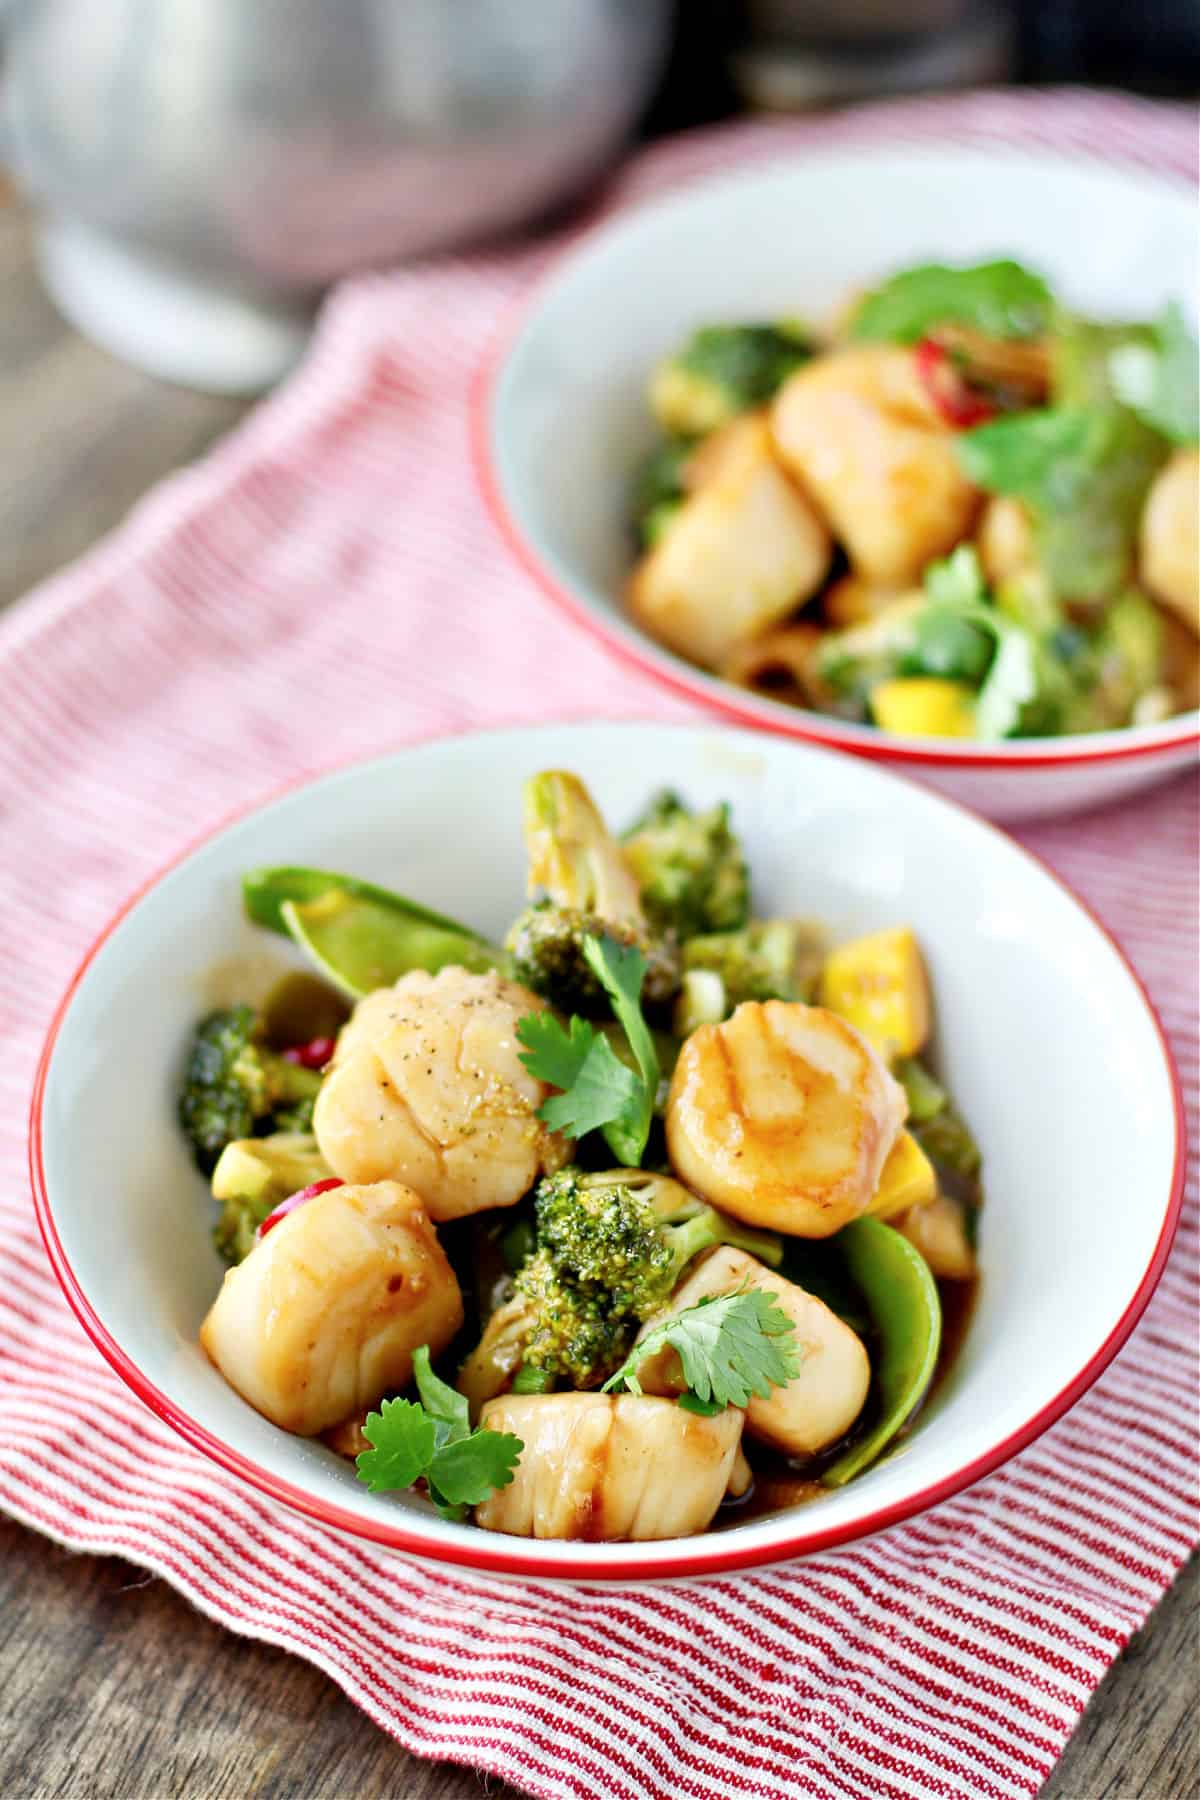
560, 417
1051, 1047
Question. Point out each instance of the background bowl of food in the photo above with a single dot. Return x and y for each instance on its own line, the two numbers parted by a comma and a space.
520, 1157
861, 448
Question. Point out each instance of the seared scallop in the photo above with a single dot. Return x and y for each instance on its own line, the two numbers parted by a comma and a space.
427, 1087
745, 548
862, 437
820, 1403
604, 1467
1170, 537
784, 1116
321, 1319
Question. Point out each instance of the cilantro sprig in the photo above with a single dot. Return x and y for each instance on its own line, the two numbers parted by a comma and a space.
1160, 380
730, 1346
598, 1091
433, 1438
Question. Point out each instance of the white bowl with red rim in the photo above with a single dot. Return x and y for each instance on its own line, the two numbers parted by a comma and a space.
1043, 1031
560, 417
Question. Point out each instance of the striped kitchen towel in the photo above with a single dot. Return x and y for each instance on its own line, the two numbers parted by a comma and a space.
328, 583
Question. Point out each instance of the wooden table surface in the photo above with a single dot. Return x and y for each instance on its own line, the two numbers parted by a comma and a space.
112, 1687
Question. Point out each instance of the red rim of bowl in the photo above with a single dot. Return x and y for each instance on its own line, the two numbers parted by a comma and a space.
642, 653
714, 1559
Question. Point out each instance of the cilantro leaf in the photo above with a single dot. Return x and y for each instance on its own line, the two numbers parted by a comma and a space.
597, 1086
1160, 381
434, 1439
599, 1091
444, 1405
403, 1440
551, 1054
465, 1472
1001, 299
957, 580
621, 969
1083, 473
729, 1346
1011, 684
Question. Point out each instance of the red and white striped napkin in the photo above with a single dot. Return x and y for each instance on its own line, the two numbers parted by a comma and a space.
328, 583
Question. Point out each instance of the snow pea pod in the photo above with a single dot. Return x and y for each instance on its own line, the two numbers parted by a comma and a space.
360, 944
901, 1295
265, 890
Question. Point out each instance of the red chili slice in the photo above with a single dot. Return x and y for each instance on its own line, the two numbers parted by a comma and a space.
313, 1055
293, 1201
959, 403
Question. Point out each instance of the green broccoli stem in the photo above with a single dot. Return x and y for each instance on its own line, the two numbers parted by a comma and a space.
530, 1379
709, 1228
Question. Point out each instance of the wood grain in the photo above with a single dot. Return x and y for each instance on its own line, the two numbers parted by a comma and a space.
111, 1686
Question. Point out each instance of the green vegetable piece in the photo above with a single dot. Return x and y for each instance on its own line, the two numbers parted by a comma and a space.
690, 867
722, 371
658, 488
729, 1346
434, 1439
1084, 353
600, 1091
609, 1249
926, 1097
252, 1176
1083, 472
948, 1143
402, 1436
265, 890
948, 646
529, 1379
1160, 379
1001, 299
232, 1083
444, 1404
902, 1296
957, 579
360, 944
768, 959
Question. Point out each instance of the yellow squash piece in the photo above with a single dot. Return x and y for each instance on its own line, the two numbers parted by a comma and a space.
924, 706
906, 1180
878, 984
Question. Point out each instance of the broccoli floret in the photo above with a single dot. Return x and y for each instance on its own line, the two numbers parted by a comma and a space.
721, 371
545, 948
769, 959
610, 1248
252, 1176
690, 867
234, 1085
587, 888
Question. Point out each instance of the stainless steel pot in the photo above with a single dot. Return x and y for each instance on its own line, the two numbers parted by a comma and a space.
261, 148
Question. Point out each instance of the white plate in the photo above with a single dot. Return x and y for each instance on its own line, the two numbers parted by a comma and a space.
561, 419
1050, 1045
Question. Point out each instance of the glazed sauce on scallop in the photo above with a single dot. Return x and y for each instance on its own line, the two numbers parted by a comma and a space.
782, 1481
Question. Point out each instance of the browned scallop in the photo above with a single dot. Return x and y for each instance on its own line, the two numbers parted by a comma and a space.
610, 1467
321, 1319
1169, 546
744, 549
861, 436
821, 1402
784, 1116
939, 1231
1004, 539
427, 1087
